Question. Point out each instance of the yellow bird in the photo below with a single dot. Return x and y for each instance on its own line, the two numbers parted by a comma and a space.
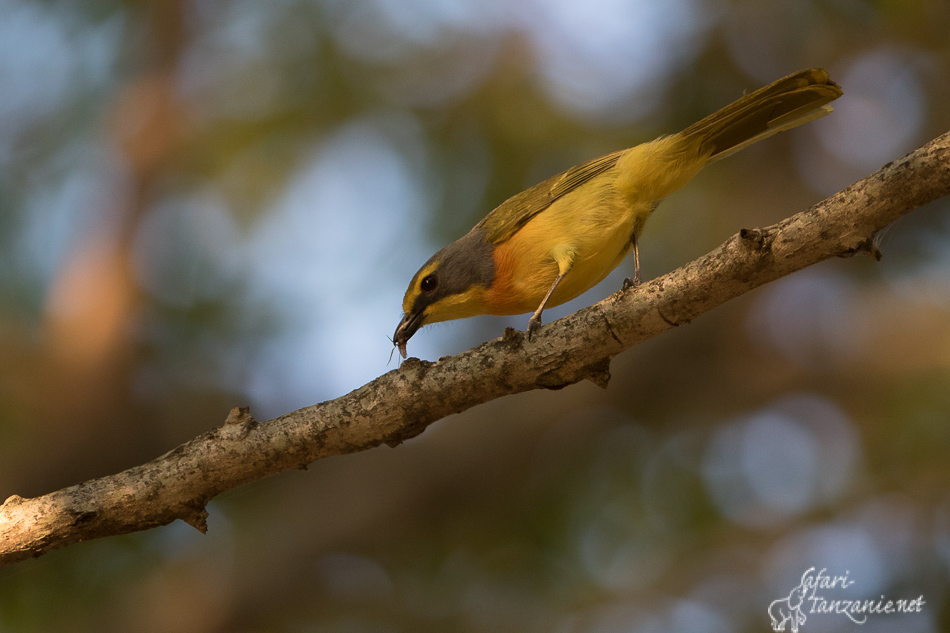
558, 239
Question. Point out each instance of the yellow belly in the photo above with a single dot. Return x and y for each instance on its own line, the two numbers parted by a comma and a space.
588, 230
591, 226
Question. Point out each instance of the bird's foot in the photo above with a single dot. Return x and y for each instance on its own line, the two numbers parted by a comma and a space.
631, 283
533, 324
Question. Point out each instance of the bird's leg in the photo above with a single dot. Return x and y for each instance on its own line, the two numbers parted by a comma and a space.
633, 283
563, 255
535, 321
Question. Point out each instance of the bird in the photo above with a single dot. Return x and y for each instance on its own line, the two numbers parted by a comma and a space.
561, 237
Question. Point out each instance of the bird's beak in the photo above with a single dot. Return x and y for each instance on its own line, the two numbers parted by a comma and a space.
410, 324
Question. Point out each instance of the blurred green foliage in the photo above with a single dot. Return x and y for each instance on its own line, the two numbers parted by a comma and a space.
209, 204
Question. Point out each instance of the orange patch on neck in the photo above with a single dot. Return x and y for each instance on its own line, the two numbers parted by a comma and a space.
501, 298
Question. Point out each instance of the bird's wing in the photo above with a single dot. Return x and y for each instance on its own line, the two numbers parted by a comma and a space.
511, 215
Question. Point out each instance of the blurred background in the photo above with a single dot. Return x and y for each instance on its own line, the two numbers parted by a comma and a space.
207, 204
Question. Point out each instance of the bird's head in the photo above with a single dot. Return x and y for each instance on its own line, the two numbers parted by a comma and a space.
451, 285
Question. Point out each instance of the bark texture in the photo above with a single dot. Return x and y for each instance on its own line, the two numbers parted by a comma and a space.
403, 402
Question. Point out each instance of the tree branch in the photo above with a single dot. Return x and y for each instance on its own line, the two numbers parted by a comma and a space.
403, 402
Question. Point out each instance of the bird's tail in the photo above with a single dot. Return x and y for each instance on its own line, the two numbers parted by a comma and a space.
789, 102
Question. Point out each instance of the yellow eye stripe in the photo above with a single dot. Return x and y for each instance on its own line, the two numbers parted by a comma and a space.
414, 288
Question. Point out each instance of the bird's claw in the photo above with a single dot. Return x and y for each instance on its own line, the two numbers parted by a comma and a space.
631, 283
533, 324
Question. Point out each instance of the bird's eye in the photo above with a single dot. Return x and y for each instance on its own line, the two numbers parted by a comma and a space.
428, 283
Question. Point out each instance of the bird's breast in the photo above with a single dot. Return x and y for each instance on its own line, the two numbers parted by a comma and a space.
594, 224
